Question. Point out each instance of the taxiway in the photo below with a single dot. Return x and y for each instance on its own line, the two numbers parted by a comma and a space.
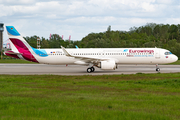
40, 69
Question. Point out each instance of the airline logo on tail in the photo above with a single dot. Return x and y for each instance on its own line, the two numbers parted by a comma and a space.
12, 31
20, 48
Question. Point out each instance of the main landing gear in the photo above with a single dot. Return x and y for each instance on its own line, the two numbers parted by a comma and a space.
157, 68
90, 69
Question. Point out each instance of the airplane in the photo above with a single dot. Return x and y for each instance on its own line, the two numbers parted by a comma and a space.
103, 58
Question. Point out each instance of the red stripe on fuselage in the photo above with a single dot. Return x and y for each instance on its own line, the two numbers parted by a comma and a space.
23, 49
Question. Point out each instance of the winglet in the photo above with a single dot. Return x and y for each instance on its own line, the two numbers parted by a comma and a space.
76, 47
65, 52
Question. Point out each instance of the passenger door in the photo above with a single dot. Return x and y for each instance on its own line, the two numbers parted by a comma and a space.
157, 54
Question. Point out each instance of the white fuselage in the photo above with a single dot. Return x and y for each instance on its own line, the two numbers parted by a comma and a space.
119, 55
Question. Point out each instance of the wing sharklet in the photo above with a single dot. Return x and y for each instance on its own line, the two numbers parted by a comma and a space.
65, 52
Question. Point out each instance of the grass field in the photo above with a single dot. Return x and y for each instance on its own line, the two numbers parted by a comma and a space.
112, 97
16, 61
175, 63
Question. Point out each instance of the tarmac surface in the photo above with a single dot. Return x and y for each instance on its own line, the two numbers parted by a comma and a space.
41, 69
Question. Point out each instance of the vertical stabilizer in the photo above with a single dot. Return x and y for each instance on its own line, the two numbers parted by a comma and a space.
19, 46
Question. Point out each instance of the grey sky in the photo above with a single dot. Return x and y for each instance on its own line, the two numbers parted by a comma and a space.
78, 18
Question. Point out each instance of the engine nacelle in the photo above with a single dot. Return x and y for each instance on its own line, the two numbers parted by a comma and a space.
108, 65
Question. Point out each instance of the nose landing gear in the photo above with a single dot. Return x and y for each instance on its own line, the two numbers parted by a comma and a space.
157, 68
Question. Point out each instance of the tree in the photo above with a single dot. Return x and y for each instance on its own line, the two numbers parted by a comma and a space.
44, 43
32, 41
156, 31
108, 32
55, 41
173, 32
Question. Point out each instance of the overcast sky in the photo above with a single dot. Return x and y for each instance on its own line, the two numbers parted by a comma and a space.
78, 18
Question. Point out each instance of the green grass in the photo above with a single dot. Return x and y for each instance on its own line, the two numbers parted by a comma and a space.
175, 63
15, 61
113, 97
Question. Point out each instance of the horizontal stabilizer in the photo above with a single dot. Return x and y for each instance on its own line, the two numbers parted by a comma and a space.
12, 53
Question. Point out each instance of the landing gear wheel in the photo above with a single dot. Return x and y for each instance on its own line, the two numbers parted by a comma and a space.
157, 69
92, 69
89, 70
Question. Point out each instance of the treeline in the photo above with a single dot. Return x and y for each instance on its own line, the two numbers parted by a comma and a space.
55, 41
151, 35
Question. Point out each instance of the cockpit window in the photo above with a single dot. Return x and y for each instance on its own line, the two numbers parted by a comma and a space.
167, 53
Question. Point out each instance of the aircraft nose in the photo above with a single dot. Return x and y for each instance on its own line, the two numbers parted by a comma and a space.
175, 58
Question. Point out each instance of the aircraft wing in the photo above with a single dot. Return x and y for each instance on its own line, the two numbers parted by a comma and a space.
85, 59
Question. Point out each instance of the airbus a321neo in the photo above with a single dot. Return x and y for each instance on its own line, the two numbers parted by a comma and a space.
104, 58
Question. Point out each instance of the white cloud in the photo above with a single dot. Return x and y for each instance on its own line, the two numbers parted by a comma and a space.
148, 7
17, 2
165, 1
80, 17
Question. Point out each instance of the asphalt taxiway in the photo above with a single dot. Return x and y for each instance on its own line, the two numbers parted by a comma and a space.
40, 69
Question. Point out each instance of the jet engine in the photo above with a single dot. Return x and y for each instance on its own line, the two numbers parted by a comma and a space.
107, 65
